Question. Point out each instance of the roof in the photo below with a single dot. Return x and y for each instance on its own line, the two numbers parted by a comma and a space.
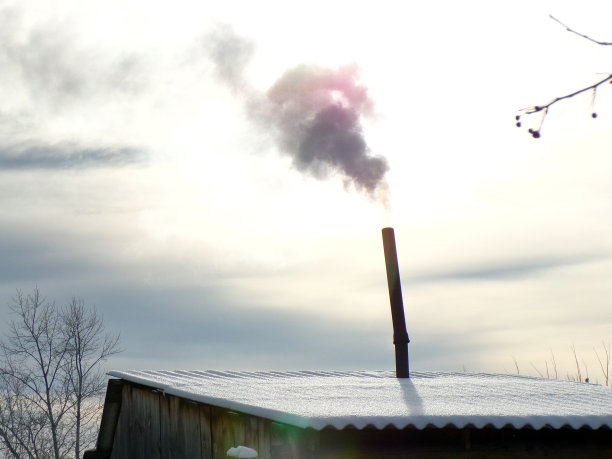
339, 399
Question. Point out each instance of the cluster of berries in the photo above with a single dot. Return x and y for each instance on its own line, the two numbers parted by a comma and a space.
535, 134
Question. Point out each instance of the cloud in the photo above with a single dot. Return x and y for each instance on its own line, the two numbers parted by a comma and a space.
509, 269
38, 251
201, 327
68, 157
48, 64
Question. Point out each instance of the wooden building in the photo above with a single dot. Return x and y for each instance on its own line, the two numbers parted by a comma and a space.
360, 414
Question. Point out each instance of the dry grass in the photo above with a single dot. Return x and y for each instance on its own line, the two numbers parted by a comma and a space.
581, 370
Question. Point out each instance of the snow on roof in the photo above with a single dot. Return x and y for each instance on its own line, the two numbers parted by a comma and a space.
320, 399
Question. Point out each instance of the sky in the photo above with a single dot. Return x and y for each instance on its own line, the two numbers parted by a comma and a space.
181, 166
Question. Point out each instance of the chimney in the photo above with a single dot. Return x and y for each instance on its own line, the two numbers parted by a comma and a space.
400, 335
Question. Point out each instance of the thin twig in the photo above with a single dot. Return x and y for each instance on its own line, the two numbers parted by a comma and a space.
554, 364
603, 43
545, 107
607, 351
577, 364
604, 369
518, 372
536, 369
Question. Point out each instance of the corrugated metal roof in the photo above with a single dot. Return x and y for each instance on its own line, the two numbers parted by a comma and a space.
320, 399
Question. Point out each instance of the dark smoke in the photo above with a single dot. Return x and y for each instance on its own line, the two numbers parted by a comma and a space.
314, 114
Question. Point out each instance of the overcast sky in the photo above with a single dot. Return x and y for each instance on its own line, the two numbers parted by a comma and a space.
163, 161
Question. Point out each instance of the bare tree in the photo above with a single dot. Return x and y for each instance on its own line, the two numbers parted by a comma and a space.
543, 109
50, 377
88, 345
21, 423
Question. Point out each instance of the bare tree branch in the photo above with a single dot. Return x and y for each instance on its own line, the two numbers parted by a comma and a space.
603, 43
543, 109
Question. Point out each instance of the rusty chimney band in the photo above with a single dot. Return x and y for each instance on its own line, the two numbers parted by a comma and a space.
400, 335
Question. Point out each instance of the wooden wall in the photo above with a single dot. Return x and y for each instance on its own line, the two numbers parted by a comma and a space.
154, 425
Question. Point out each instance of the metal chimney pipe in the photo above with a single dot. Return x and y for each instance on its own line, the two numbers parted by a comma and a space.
400, 335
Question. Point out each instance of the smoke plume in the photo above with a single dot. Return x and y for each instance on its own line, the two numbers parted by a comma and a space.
314, 114
230, 54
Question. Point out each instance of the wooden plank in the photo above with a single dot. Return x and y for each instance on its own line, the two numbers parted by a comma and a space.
138, 427
121, 441
110, 415
231, 429
217, 433
263, 438
169, 416
206, 431
144, 425
180, 429
189, 430
227, 432
250, 431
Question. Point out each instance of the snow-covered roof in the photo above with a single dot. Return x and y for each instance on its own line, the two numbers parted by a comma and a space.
320, 399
